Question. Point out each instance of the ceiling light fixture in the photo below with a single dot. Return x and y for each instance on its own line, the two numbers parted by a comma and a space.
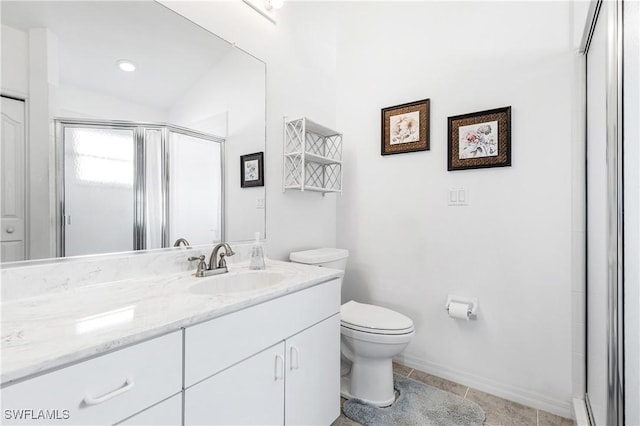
273, 4
126, 65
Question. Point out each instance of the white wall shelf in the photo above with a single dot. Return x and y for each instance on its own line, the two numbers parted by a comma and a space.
312, 157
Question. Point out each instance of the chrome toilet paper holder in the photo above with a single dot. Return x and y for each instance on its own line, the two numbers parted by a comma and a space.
471, 302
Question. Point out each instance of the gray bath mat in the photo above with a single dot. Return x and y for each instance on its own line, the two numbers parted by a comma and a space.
417, 404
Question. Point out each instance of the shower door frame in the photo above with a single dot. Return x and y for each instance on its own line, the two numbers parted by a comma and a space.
615, 209
139, 181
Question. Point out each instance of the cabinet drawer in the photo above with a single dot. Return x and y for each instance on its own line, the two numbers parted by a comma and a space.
101, 390
168, 412
217, 344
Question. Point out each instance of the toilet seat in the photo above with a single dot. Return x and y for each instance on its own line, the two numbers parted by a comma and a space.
385, 339
373, 319
375, 330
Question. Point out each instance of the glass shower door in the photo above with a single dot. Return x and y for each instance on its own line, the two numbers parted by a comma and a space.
597, 296
154, 189
195, 189
98, 208
605, 231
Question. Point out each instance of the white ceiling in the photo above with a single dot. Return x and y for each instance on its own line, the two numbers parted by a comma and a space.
170, 52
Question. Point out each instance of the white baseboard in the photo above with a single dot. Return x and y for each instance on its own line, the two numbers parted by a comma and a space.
511, 393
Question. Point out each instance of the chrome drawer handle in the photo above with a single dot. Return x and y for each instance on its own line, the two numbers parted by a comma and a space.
294, 365
128, 385
279, 368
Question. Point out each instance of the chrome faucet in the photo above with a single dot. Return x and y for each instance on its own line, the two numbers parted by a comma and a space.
182, 241
214, 255
214, 267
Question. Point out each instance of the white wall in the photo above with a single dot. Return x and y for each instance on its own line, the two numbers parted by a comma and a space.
76, 102
15, 62
511, 247
43, 81
300, 56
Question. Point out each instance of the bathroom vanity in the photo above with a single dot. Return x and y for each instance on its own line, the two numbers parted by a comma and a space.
176, 349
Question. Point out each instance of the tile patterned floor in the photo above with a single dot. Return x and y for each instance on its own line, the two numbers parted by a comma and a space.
499, 412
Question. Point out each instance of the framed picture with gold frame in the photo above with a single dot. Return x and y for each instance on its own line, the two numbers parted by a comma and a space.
480, 139
405, 128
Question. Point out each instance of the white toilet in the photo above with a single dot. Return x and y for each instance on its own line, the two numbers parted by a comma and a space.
370, 337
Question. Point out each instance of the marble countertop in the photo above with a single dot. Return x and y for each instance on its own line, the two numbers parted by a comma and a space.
51, 330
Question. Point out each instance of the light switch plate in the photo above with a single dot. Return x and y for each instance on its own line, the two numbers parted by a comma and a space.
458, 197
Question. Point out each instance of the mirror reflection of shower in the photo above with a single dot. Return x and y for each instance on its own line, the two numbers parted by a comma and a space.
126, 186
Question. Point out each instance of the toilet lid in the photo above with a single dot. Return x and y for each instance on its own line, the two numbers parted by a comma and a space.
374, 319
321, 255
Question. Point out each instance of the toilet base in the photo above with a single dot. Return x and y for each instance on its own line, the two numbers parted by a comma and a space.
345, 386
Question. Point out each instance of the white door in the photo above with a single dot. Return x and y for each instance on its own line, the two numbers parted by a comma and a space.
249, 393
12, 204
312, 393
99, 167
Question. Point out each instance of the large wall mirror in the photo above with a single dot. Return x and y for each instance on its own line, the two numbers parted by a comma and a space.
97, 158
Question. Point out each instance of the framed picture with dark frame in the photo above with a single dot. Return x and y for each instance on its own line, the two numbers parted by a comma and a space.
405, 128
252, 170
480, 139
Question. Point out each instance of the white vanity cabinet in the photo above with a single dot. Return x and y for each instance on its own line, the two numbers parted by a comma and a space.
274, 363
102, 390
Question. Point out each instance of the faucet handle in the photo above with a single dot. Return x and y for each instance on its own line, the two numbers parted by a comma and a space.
222, 263
202, 265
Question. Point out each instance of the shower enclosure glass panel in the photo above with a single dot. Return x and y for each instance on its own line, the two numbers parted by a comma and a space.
195, 192
154, 189
98, 190
130, 186
605, 258
597, 296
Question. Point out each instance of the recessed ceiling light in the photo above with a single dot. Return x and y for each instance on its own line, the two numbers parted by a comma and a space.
127, 66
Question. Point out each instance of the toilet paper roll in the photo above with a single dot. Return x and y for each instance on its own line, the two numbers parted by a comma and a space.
459, 310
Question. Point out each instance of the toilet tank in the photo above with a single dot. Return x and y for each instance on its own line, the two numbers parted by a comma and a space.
326, 257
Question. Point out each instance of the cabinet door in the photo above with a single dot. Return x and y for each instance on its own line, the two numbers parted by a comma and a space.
248, 393
168, 412
312, 394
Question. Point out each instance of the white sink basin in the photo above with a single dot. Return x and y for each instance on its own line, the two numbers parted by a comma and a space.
236, 282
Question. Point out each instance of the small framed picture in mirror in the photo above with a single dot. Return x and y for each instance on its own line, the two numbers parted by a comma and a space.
252, 170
